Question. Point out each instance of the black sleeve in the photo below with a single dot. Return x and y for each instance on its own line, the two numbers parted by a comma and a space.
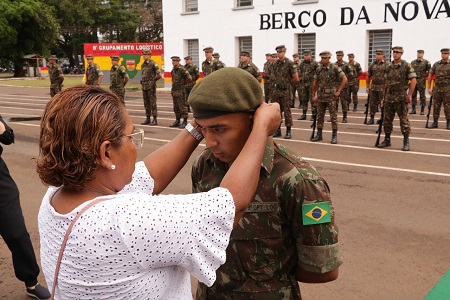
6, 137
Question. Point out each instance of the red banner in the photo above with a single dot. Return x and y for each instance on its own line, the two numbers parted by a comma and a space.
108, 49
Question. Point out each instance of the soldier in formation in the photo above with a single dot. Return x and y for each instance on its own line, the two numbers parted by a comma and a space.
248, 66
353, 81
421, 66
94, 74
56, 76
375, 83
296, 88
441, 90
220, 64
180, 77
329, 82
267, 81
307, 69
209, 65
344, 95
195, 74
285, 77
400, 79
150, 74
118, 78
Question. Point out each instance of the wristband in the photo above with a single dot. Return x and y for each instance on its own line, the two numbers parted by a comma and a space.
197, 135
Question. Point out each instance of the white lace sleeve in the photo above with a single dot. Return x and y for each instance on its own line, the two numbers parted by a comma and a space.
191, 231
142, 181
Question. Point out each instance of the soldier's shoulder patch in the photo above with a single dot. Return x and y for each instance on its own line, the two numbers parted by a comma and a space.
316, 213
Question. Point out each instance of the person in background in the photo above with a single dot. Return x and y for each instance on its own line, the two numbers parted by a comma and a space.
94, 74
56, 76
180, 77
150, 75
118, 78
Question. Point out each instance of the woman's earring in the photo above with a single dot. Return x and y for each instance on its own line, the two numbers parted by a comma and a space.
113, 167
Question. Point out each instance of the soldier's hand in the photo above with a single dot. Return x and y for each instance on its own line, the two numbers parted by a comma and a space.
268, 116
408, 99
430, 91
337, 93
368, 90
382, 103
314, 99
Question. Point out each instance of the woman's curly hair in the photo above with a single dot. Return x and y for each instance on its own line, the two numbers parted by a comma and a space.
75, 123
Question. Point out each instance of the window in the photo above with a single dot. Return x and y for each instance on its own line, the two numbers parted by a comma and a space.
192, 50
190, 6
379, 39
245, 44
244, 3
307, 41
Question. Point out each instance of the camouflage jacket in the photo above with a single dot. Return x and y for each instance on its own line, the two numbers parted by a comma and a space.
195, 74
397, 78
307, 70
209, 66
150, 71
252, 69
328, 80
270, 240
442, 71
377, 70
93, 72
180, 76
267, 70
55, 72
353, 78
282, 71
421, 67
347, 69
117, 77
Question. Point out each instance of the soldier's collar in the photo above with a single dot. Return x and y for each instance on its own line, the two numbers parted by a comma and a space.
268, 157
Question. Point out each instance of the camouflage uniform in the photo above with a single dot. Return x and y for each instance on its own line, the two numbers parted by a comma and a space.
118, 75
282, 77
252, 69
267, 81
377, 70
397, 77
353, 83
179, 78
441, 90
421, 67
270, 240
209, 66
150, 70
195, 74
344, 95
93, 72
297, 88
55, 72
306, 72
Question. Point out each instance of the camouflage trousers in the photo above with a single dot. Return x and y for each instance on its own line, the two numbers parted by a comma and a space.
305, 96
267, 91
420, 88
399, 107
120, 92
322, 108
441, 96
150, 102
283, 97
296, 89
287, 293
179, 104
375, 99
343, 97
353, 94
54, 89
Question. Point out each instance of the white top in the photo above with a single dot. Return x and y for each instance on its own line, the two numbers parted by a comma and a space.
135, 245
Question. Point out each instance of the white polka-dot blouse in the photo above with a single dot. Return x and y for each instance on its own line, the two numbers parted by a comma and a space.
135, 245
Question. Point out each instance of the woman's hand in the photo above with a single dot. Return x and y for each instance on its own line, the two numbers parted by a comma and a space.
268, 118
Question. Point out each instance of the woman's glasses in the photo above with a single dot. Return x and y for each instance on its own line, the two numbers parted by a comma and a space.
137, 137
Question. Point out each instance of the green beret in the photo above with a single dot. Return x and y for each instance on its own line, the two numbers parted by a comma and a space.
228, 90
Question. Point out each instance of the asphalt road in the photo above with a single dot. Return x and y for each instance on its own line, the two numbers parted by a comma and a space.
391, 207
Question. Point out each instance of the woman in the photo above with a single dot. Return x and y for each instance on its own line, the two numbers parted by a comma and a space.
135, 245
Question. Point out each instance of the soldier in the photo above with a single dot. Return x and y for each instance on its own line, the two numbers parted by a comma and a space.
150, 74
329, 82
209, 65
285, 77
220, 63
180, 77
421, 67
296, 88
348, 71
441, 91
56, 76
306, 73
272, 247
195, 74
375, 89
353, 81
118, 78
398, 74
94, 74
267, 81
248, 66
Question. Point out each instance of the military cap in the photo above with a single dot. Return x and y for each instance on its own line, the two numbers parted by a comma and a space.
268, 54
379, 51
245, 53
228, 90
280, 48
216, 55
90, 56
397, 49
420, 51
295, 55
208, 49
339, 52
114, 57
445, 50
147, 52
176, 58
188, 57
306, 52
351, 55
273, 55
52, 57
325, 54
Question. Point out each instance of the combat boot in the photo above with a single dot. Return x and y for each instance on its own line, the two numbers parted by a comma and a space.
344, 118
313, 115
303, 117
435, 123
413, 110
147, 121
183, 125
293, 103
288, 133
154, 122
176, 123
277, 133
405, 142
318, 137
448, 124
334, 136
422, 110
371, 120
386, 142
355, 107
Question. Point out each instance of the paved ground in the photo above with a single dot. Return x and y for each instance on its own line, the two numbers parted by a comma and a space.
391, 206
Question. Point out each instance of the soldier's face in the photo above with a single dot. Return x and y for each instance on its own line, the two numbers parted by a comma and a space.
175, 63
397, 55
339, 57
188, 61
146, 56
351, 59
379, 57
281, 54
419, 55
52, 61
325, 60
268, 58
245, 59
226, 135
208, 55
296, 58
307, 56
90, 60
114, 62
445, 56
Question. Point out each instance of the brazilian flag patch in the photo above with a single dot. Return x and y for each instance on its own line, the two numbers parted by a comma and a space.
316, 213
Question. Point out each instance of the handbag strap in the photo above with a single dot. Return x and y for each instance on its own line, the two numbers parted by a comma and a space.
66, 237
